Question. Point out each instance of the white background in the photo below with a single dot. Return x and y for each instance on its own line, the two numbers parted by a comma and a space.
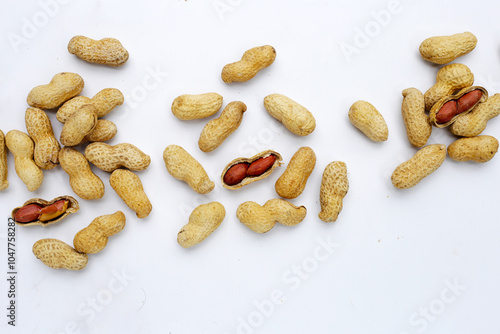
396, 252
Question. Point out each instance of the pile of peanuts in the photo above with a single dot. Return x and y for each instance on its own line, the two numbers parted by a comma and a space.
452, 102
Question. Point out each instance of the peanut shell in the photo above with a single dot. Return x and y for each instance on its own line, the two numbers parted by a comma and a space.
129, 187
293, 180
474, 122
204, 219
57, 254
364, 116
478, 149
73, 207
93, 238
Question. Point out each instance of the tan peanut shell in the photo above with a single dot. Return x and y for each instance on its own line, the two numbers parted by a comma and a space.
424, 162
108, 158
474, 122
251, 63
418, 128
204, 219
4, 183
181, 165
478, 149
217, 130
104, 130
294, 117
82, 180
57, 254
93, 238
46, 145
188, 107
250, 179
445, 49
61, 88
364, 116
22, 147
439, 104
334, 187
106, 51
129, 187
293, 180
79, 125
104, 102
73, 207
262, 218
449, 79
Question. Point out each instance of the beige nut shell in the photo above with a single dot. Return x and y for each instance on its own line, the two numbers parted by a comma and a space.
365, 117
73, 207
188, 107
478, 149
294, 116
79, 125
251, 63
293, 180
418, 128
204, 219
474, 123
46, 145
61, 88
250, 179
104, 130
93, 238
57, 254
106, 51
4, 183
334, 187
104, 102
129, 187
445, 49
108, 158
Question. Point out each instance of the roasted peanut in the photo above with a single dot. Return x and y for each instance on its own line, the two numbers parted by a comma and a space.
364, 116
181, 165
57, 254
104, 130
205, 219
104, 102
188, 107
82, 180
61, 88
93, 238
473, 123
449, 79
38, 211
478, 149
243, 171
4, 183
217, 130
418, 128
22, 147
106, 51
251, 63
293, 180
28, 213
129, 187
46, 145
108, 158
424, 162
445, 49
294, 117
334, 187
261, 219
450, 108
79, 125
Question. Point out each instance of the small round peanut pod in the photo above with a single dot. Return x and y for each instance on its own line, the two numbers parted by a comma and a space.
251, 63
93, 238
129, 187
445, 49
4, 183
188, 107
334, 187
104, 130
294, 116
364, 116
106, 51
57, 254
217, 130
79, 125
181, 165
473, 123
409, 173
204, 219
108, 158
22, 147
478, 149
61, 88
293, 180
418, 128
46, 145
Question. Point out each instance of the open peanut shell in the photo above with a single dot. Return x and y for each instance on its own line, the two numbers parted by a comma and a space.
72, 207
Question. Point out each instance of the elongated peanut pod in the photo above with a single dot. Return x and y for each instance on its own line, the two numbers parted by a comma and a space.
79, 125
478, 149
188, 107
473, 123
418, 128
204, 219
364, 116
445, 49
46, 145
93, 238
424, 162
22, 147
294, 117
108, 158
57, 254
61, 88
129, 187
106, 51
293, 180
334, 187
217, 130
181, 165
251, 63
4, 183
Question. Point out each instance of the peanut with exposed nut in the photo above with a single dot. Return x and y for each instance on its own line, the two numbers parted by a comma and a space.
364, 116
478, 149
334, 187
93, 238
106, 51
189, 107
57, 254
4, 183
474, 123
251, 63
445, 49
418, 128
79, 125
38, 211
108, 158
293, 180
204, 219
294, 117
61, 88
46, 145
